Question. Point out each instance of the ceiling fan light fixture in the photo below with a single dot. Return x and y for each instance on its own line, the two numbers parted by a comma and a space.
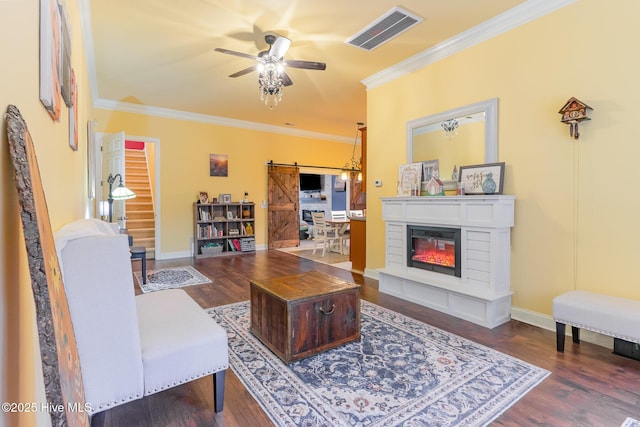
271, 68
270, 84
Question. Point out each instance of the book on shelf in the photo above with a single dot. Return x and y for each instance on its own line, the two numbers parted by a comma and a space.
204, 214
231, 245
236, 244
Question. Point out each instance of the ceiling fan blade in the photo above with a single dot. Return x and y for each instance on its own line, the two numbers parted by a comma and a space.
280, 47
243, 72
286, 80
233, 52
307, 65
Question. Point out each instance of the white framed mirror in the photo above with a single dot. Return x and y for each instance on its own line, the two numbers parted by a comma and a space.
466, 135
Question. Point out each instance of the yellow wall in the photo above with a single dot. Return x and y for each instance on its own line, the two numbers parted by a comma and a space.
575, 210
64, 179
184, 166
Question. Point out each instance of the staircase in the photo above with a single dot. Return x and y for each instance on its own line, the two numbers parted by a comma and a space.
140, 215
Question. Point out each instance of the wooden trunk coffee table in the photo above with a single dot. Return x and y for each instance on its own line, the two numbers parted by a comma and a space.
304, 314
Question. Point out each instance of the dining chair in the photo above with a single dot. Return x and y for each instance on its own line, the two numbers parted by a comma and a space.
324, 233
342, 230
338, 214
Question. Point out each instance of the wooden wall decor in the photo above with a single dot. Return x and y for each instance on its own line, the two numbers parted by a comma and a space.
60, 362
573, 112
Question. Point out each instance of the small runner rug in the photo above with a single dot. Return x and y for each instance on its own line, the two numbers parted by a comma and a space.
401, 372
170, 278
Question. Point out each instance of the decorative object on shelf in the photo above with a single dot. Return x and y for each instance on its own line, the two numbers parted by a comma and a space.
225, 198
454, 174
573, 112
246, 197
460, 189
229, 215
218, 164
246, 213
409, 179
249, 229
434, 186
489, 185
203, 197
450, 128
353, 165
472, 178
430, 168
120, 193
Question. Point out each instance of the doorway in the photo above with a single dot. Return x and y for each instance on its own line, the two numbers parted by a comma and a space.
105, 165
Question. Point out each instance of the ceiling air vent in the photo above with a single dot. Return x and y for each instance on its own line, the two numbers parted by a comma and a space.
385, 28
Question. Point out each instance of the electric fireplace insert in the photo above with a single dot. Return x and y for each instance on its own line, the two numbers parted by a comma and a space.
434, 248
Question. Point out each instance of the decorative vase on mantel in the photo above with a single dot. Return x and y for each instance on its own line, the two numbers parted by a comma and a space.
489, 185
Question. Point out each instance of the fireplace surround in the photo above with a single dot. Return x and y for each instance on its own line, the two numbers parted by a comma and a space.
481, 293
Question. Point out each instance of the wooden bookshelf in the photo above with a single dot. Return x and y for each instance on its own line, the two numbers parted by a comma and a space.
223, 228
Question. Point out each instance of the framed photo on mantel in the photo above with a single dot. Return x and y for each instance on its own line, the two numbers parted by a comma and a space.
482, 179
409, 178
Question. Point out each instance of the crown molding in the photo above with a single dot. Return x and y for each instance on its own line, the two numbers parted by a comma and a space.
127, 107
526, 12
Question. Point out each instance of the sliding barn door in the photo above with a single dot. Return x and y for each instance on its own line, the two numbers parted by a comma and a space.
283, 215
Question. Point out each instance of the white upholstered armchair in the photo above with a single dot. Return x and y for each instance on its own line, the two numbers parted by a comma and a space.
132, 346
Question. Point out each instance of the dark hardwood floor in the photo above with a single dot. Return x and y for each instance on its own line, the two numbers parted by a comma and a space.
588, 385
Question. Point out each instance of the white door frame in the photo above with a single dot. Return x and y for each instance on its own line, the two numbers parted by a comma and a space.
156, 182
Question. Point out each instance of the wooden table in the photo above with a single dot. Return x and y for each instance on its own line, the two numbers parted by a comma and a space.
304, 314
340, 226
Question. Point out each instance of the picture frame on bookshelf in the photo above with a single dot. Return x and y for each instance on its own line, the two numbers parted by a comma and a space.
229, 215
225, 198
203, 197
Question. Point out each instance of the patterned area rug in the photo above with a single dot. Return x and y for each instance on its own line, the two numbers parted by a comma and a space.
169, 278
630, 422
401, 372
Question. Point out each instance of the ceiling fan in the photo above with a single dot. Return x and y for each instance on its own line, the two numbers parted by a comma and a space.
271, 67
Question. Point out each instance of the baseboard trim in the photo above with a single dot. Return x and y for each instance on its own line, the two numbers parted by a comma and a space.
545, 321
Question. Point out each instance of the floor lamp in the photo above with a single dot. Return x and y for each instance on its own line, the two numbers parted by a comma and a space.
119, 193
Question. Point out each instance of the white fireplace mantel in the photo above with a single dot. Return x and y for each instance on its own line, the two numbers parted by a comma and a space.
482, 294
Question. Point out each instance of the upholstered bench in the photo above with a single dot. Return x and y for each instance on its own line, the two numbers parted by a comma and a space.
613, 316
132, 346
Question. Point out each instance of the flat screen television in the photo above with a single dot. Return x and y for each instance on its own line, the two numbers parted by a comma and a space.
310, 182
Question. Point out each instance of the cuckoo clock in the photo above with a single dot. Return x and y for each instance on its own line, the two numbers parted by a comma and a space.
573, 112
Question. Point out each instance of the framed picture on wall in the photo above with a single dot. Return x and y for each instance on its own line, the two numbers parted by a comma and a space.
218, 165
